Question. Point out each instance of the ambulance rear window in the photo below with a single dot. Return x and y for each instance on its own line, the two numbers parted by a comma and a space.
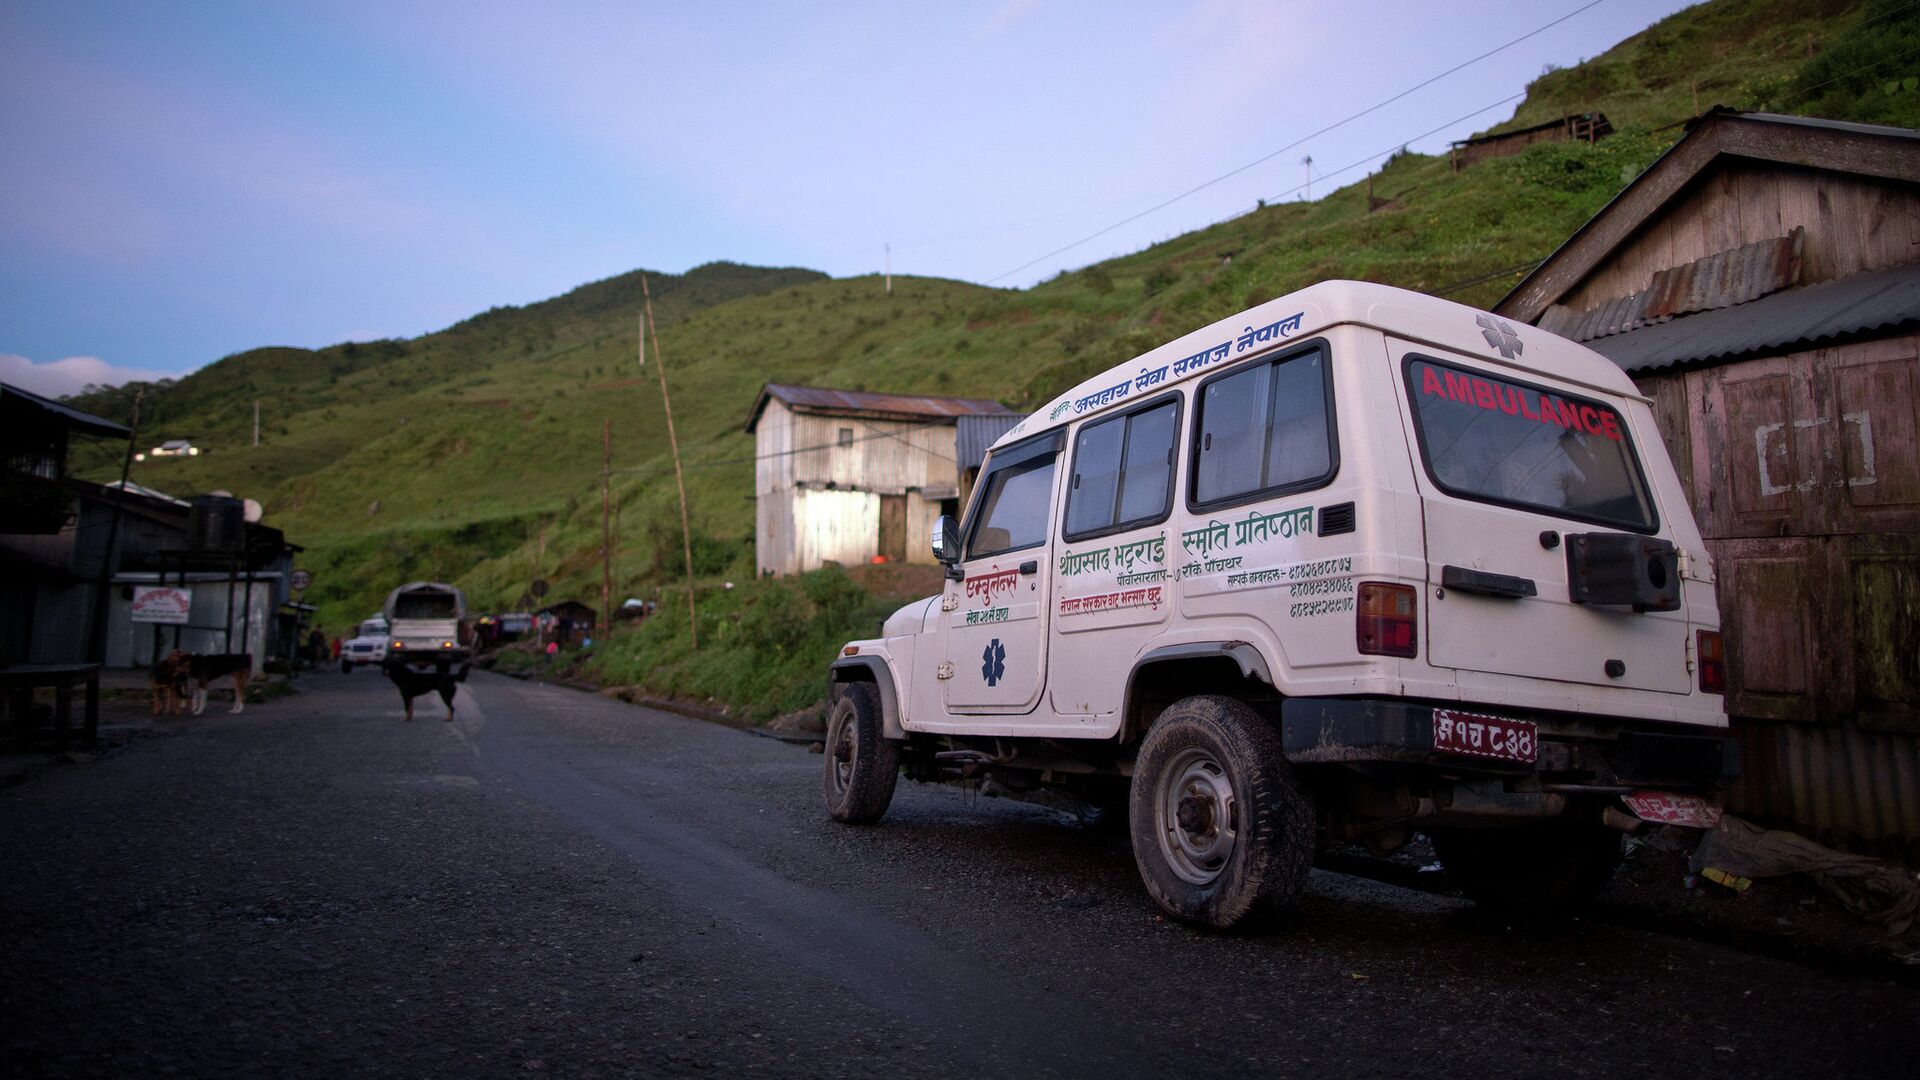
1499, 441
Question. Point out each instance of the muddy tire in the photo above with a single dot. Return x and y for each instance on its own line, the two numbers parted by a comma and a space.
1538, 870
1222, 829
862, 764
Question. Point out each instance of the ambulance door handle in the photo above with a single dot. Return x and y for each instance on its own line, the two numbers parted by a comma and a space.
1479, 582
1031, 566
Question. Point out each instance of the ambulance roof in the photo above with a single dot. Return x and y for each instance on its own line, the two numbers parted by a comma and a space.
1299, 316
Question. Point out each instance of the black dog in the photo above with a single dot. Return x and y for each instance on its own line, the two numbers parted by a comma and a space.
423, 677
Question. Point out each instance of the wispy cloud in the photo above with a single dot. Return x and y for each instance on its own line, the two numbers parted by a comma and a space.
59, 378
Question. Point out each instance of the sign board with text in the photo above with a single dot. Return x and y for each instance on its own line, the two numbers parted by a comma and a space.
161, 604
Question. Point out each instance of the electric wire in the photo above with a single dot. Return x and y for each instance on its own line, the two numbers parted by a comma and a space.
1298, 142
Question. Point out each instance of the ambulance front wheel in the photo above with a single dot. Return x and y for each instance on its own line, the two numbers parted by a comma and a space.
862, 764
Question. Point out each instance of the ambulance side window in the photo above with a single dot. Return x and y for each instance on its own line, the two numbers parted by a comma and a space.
1263, 430
1123, 471
1015, 504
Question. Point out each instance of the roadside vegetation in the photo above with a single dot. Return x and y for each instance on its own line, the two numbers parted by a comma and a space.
762, 644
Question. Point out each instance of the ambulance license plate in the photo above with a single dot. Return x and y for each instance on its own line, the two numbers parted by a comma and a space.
1475, 735
1668, 808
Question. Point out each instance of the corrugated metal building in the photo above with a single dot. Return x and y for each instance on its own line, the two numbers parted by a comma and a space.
845, 475
54, 548
1761, 282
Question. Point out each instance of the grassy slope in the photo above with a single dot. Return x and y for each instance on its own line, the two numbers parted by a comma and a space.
481, 444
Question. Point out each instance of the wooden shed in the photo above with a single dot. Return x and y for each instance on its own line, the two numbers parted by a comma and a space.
845, 475
569, 622
1588, 127
1761, 283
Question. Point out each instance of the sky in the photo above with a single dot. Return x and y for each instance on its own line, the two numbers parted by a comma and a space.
179, 182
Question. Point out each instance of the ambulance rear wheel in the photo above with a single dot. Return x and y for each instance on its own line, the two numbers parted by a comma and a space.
1541, 870
1222, 829
862, 764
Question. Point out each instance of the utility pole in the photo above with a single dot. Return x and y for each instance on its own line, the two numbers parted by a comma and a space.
889, 250
103, 586
606, 524
256, 421
1308, 162
673, 444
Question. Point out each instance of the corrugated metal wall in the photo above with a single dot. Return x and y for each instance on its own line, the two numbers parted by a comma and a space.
131, 644
1846, 787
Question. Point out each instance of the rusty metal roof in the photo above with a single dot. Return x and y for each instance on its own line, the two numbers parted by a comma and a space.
1718, 135
1724, 279
1602, 128
819, 399
977, 433
1795, 317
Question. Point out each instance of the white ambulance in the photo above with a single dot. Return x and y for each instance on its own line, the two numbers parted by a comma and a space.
1353, 564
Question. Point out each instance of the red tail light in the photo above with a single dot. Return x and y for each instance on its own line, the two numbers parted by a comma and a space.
1713, 663
1388, 620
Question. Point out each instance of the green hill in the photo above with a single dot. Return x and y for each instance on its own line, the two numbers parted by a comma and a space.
473, 454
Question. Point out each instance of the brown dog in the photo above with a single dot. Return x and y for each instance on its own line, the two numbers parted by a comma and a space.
205, 669
168, 682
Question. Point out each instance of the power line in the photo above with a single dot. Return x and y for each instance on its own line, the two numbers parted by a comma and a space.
1305, 138
1862, 70
811, 449
1493, 275
1395, 148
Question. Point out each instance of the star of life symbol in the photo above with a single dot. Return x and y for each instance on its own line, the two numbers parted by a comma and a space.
993, 662
1500, 335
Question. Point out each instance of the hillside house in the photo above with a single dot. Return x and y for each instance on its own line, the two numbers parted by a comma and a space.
1589, 127
568, 622
1761, 283
846, 475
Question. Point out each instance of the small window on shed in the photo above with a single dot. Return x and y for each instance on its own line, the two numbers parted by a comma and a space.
846, 436
1123, 471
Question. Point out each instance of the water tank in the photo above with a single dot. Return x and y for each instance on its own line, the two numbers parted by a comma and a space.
216, 523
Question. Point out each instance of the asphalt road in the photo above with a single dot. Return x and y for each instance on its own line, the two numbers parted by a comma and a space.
559, 883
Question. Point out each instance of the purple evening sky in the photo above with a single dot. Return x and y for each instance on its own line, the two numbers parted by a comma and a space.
186, 181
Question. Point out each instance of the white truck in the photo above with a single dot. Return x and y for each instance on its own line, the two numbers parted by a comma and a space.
1352, 564
426, 625
367, 646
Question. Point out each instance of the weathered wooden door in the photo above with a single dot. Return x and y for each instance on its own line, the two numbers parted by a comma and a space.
893, 527
1808, 490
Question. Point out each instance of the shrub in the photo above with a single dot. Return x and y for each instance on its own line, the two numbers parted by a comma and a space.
764, 646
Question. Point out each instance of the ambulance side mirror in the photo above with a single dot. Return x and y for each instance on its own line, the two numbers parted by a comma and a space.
946, 541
